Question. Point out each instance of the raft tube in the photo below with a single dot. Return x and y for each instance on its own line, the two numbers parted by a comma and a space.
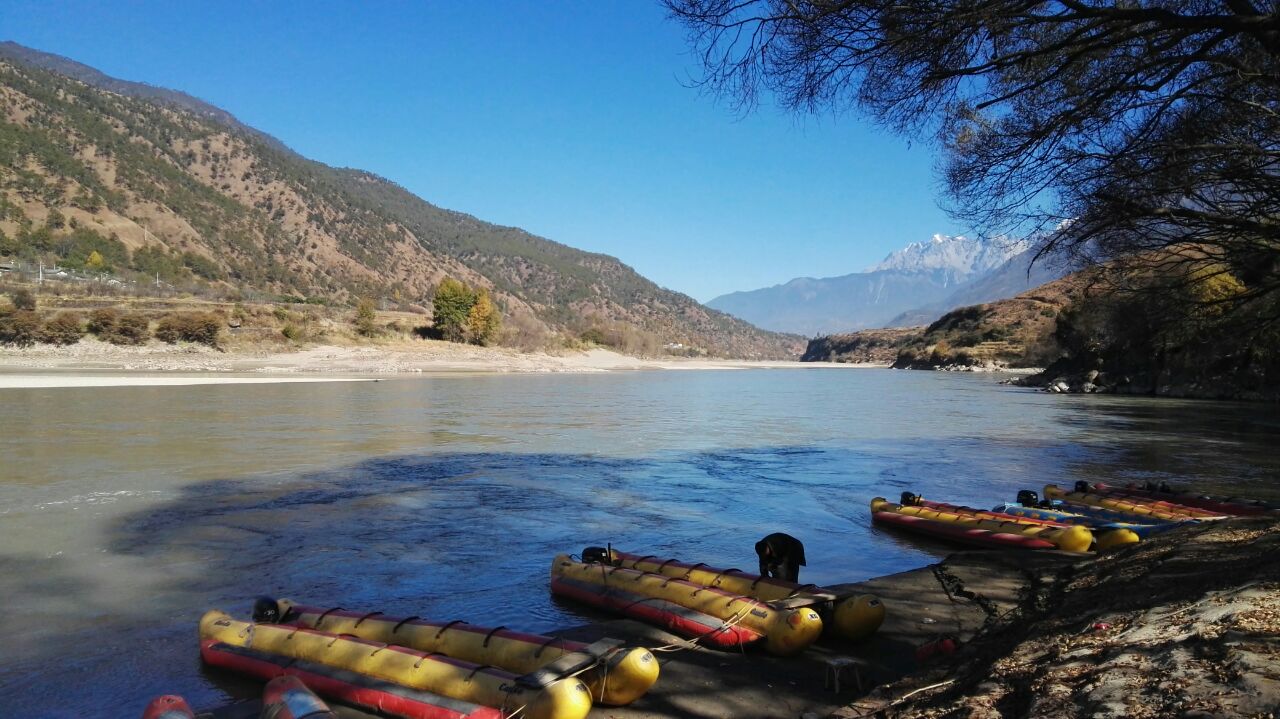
660, 600
1068, 539
1131, 505
1111, 515
437, 674
286, 697
953, 532
1233, 506
1103, 525
1104, 537
853, 617
342, 685
169, 706
621, 675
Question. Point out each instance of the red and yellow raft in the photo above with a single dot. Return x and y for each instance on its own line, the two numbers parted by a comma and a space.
1104, 539
1231, 506
615, 675
853, 616
712, 616
462, 689
1139, 506
979, 532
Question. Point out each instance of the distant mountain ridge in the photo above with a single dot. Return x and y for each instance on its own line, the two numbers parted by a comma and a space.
920, 274
960, 255
1017, 275
158, 173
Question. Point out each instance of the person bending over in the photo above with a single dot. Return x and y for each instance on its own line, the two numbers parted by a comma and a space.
781, 556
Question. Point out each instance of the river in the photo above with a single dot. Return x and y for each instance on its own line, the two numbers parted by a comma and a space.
126, 512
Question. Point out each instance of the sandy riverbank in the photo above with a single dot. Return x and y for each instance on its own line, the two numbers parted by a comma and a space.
328, 361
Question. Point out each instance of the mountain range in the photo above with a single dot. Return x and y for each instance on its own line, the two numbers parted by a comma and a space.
141, 172
910, 286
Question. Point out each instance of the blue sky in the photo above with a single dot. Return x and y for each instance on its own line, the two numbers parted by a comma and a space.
571, 120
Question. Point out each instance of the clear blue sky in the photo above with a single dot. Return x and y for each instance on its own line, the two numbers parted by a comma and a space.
571, 120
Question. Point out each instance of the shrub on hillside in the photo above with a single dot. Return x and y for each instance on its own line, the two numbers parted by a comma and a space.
23, 299
64, 328
103, 320
364, 320
129, 330
20, 328
198, 327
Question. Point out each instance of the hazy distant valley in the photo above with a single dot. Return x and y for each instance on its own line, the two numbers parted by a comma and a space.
911, 286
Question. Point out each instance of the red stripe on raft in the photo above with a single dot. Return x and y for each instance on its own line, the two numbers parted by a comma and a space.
652, 611
960, 533
319, 681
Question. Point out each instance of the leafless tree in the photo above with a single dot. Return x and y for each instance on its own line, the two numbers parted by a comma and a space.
1121, 130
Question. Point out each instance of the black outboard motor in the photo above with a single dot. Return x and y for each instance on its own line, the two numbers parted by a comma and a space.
595, 555
1028, 498
910, 500
1082, 486
266, 611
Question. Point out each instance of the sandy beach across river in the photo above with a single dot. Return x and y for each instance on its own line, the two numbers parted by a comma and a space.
84, 363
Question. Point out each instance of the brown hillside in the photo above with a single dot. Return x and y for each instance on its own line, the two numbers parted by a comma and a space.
198, 199
1015, 332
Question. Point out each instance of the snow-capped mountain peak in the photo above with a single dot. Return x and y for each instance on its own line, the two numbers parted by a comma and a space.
960, 256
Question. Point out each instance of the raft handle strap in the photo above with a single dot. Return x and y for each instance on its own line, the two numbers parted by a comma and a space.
425, 657
691, 569
635, 563
478, 668
361, 619
403, 622
544, 645
487, 637
716, 582
447, 626
664, 565
324, 614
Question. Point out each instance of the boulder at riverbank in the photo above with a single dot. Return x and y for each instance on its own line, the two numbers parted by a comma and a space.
1068, 376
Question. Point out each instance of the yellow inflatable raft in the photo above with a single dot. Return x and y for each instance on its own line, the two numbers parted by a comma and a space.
1070, 539
784, 631
563, 699
853, 617
1118, 504
617, 675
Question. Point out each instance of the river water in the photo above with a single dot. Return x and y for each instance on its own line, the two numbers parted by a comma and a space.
126, 512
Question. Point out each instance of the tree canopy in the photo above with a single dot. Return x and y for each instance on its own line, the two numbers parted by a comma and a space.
1146, 132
